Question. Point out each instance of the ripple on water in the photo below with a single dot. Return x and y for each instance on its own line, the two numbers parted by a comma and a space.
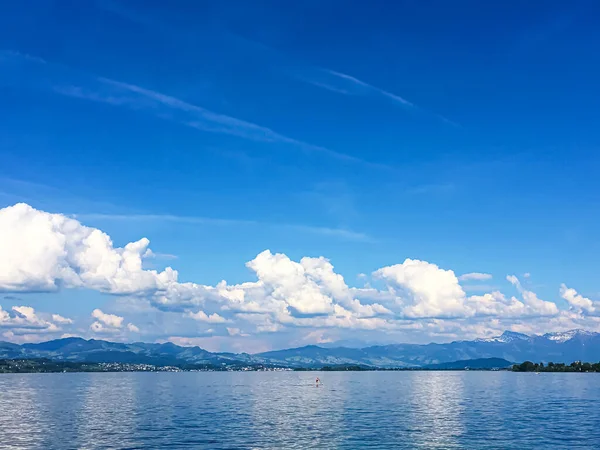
422, 410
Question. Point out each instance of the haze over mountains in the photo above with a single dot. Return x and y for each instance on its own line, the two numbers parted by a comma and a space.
557, 347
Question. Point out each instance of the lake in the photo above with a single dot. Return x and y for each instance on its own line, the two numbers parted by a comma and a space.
412, 410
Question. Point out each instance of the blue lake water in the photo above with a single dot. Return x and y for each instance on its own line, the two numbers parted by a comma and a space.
412, 410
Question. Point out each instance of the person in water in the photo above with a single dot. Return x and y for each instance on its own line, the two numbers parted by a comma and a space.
318, 381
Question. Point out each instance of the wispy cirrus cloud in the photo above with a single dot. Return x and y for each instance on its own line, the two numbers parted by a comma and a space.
323, 78
193, 220
70, 82
337, 232
334, 232
326, 86
342, 83
368, 88
341, 233
117, 93
9, 54
194, 116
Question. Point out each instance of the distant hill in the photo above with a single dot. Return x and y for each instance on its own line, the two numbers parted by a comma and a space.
510, 346
575, 345
473, 364
97, 351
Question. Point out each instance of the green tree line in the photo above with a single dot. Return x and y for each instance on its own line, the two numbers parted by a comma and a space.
576, 366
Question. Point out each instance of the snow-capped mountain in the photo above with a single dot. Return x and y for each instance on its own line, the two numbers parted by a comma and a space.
507, 336
568, 335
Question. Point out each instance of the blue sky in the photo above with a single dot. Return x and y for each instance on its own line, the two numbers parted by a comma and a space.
456, 133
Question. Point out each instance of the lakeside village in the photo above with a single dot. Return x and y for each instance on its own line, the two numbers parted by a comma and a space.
52, 366
49, 366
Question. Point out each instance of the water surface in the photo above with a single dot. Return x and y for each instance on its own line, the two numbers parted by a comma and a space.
420, 410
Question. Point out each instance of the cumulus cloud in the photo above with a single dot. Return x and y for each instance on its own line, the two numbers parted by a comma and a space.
108, 319
110, 323
26, 338
57, 318
577, 301
431, 291
290, 281
55, 251
201, 316
100, 328
426, 291
44, 251
40, 251
475, 276
236, 332
317, 337
531, 299
25, 320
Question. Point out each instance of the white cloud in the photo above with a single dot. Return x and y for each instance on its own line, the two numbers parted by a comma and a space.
24, 319
201, 316
236, 332
475, 276
496, 304
290, 282
423, 290
108, 319
54, 252
361, 84
110, 324
165, 256
577, 301
101, 328
131, 327
530, 298
317, 337
42, 251
61, 320
19, 338
263, 323
345, 84
431, 291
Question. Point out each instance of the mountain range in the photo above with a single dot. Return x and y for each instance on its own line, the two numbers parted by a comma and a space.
575, 345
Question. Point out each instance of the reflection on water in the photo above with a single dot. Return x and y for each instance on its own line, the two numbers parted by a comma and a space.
430, 410
21, 415
105, 407
436, 407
